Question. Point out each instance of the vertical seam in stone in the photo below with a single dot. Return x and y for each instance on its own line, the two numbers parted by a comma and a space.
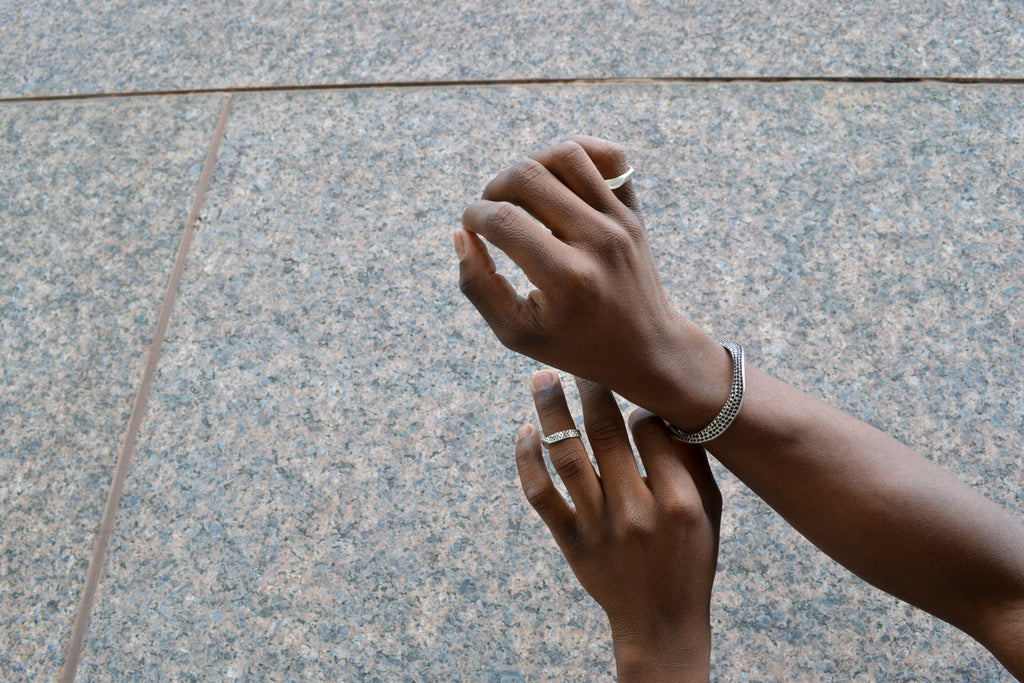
124, 458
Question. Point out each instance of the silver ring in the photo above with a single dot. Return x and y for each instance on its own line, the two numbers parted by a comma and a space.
618, 181
561, 436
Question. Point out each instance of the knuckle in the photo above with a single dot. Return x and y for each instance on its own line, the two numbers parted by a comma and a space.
469, 285
575, 543
570, 466
526, 174
685, 510
513, 334
616, 154
539, 496
581, 277
549, 404
604, 429
570, 153
506, 224
502, 215
613, 243
510, 336
607, 250
634, 524
612, 152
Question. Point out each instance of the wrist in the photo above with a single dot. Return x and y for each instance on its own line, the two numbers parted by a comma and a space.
669, 656
689, 378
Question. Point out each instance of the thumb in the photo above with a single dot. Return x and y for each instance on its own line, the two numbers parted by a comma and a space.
510, 316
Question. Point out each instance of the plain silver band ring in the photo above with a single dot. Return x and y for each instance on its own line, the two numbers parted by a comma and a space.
561, 436
618, 181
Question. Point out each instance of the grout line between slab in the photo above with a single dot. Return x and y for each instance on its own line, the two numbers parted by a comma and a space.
371, 85
93, 574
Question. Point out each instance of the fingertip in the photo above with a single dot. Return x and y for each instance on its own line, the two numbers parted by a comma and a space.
526, 433
478, 276
640, 415
463, 243
543, 380
459, 239
472, 212
475, 258
588, 141
470, 241
527, 446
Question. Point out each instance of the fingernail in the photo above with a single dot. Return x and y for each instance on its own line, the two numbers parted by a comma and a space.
524, 432
543, 380
460, 244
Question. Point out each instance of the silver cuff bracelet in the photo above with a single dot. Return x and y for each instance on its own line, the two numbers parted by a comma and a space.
732, 404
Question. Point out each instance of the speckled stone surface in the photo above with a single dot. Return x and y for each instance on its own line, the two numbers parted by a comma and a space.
62, 47
92, 200
324, 487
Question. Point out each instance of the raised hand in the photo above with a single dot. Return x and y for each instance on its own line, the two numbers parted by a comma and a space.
644, 548
598, 310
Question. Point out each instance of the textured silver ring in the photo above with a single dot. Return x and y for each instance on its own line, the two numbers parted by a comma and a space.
618, 181
561, 436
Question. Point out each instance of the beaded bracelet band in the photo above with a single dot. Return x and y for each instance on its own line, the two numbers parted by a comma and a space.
732, 404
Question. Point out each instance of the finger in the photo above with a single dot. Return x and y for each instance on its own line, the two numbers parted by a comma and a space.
687, 471
607, 434
568, 456
610, 160
540, 254
532, 186
538, 488
513, 318
695, 459
670, 474
572, 165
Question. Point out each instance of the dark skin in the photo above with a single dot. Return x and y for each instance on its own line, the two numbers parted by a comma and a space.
644, 548
598, 311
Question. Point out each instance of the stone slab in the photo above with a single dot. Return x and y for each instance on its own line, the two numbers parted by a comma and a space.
324, 487
59, 47
93, 196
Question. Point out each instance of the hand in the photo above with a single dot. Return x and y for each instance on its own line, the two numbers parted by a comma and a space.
645, 548
598, 310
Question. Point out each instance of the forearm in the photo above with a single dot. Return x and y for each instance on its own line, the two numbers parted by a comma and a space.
599, 311
885, 512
